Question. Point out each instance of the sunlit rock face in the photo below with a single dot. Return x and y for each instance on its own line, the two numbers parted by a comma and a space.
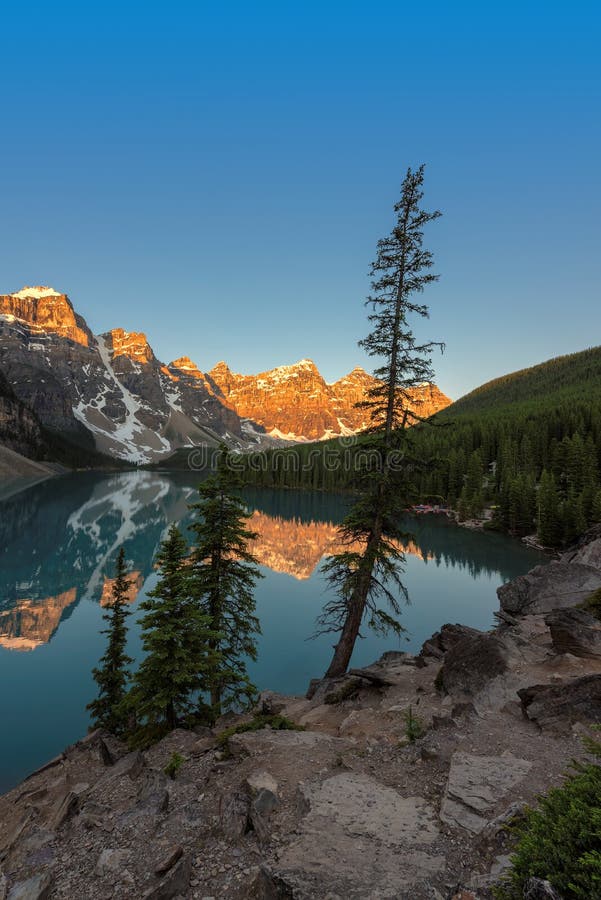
46, 310
296, 403
31, 623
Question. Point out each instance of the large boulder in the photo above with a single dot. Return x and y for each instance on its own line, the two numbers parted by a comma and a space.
473, 661
575, 631
555, 586
442, 641
557, 707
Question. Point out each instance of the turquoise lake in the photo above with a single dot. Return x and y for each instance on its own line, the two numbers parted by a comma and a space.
58, 544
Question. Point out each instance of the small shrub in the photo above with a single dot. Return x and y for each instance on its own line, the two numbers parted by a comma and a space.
560, 840
414, 727
174, 765
438, 682
592, 604
346, 691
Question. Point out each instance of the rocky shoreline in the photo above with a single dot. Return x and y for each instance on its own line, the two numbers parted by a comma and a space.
349, 807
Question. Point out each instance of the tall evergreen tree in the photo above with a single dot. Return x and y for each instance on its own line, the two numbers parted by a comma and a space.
222, 580
370, 565
176, 636
112, 675
549, 519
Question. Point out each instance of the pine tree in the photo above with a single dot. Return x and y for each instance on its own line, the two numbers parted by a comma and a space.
176, 637
223, 575
549, 521
361, 576
596, 509
108, 710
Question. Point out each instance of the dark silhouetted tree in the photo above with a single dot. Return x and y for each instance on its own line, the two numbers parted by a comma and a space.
370, 565
223, 574
112, 675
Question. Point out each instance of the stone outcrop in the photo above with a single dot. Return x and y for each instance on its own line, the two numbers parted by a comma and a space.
472, 661
560, 584
556, 707
575, 631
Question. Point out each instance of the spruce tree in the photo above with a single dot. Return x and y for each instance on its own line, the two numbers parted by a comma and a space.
549, 520
112, 675
175, 637
596, 509
223, 573
370, 565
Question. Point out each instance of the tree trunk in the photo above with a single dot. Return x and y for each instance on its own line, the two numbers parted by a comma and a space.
356, 608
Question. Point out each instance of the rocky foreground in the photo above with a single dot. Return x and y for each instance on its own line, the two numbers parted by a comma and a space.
348, 807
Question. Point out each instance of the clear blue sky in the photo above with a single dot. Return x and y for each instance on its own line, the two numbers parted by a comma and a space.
217, 174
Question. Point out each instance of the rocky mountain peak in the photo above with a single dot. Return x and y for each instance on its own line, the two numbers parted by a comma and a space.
186, 366
132, 344
45, 310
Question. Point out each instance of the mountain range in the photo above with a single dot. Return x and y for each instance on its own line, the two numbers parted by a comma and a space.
110, 394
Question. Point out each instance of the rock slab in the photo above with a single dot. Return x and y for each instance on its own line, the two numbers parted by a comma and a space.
476, 784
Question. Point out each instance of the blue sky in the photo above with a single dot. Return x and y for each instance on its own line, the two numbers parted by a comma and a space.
217, 175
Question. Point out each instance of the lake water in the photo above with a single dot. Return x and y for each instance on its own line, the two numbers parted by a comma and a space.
58, 544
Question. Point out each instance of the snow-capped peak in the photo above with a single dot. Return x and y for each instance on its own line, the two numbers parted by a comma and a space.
37, 292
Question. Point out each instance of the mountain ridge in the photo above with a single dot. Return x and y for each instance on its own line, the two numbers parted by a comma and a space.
113, 393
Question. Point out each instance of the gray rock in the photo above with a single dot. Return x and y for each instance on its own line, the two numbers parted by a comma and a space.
169, 859
131, 765
557, 707
265, 802
234, 817
272, 703
64, 809
473, 661
575, 631
555, 586
36, 888
176, 881
259, 781
443, 640
363, 805
358, 839
588, 549
111, 861
476, 784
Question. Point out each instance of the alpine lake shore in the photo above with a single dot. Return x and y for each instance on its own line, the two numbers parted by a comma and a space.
396, 781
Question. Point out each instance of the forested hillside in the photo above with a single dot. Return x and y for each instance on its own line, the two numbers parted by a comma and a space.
529, 444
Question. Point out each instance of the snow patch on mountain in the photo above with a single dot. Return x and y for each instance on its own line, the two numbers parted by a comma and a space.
37, 292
